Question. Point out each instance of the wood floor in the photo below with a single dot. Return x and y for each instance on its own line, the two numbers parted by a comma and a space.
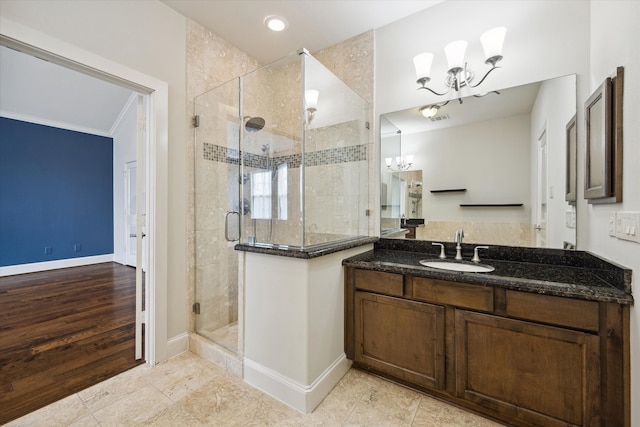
62, 331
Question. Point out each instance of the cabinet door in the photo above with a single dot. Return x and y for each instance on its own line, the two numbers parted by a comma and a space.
535, 374
401, 338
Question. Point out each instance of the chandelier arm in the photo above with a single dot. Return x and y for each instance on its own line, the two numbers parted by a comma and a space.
464, 76
434, 92
485, 76
453, 84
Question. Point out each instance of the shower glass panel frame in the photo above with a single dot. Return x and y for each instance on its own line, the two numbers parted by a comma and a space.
271, 171
316, 157
217, 228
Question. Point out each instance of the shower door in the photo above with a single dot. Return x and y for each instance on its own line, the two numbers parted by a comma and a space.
217, 181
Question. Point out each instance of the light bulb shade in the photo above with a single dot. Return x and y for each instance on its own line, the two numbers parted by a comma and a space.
429, 111
492, 42
387, 161
311, 98
423, 62
410, 158
455, 52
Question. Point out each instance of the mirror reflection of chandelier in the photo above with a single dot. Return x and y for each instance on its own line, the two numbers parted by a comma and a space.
402, 164
458, 75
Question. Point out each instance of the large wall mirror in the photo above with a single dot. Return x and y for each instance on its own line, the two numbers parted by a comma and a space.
494, 165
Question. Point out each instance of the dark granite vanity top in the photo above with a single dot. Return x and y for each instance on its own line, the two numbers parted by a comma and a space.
575, 274
314, 251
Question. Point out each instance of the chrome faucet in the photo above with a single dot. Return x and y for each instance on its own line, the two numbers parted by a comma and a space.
458, 239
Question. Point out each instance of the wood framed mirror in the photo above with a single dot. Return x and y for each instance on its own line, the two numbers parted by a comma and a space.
597, 182
572, 153
603, 162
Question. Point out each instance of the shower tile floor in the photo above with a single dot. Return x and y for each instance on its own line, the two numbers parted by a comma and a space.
226, 336
188, 390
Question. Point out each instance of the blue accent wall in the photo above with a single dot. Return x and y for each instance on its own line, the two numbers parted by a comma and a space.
56, 193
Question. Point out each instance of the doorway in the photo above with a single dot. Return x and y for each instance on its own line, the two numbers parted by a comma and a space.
156, 94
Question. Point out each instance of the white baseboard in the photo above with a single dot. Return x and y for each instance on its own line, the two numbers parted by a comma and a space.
178, 344
304, 398
11, 270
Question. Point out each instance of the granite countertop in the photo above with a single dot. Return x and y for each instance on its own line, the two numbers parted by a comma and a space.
314, 251
575, 274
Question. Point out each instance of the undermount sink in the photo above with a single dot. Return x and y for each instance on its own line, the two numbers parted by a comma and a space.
457, 266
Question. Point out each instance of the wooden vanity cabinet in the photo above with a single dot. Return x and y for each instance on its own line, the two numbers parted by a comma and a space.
539, 374
394, 335
402, 338
523, 358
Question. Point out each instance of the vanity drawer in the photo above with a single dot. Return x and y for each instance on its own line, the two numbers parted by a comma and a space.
568, 312
380, 283
476, 297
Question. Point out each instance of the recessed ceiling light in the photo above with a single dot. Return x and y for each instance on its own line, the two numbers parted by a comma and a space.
275, 23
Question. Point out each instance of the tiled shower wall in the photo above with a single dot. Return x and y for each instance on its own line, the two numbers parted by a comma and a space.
211, 61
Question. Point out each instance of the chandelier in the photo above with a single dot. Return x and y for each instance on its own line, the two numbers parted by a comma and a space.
401, 163
459, 75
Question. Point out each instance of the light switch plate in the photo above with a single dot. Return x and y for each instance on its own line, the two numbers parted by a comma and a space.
612, 225
627, 226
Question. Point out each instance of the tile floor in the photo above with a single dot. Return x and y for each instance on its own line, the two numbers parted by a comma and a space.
189, 391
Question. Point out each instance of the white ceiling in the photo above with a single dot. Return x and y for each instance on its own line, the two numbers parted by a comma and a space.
39, 91
313, 24
35, 90
509, 102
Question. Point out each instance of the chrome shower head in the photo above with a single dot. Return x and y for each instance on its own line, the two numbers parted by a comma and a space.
254, 124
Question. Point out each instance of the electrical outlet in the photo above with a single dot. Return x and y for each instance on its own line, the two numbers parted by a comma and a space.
48, 250
77, 247
570, 219
627, 226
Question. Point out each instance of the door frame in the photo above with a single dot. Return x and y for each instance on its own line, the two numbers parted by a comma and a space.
32, 42
542, 184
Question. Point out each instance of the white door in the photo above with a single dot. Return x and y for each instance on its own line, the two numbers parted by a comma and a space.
138, 230
542, 203
131, 213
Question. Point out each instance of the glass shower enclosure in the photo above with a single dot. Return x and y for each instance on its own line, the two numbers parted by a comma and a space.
281, 162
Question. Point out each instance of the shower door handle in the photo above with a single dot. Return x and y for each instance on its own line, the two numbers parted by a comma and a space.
226, 226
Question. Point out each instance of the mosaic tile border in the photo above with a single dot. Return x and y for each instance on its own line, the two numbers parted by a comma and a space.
331, 156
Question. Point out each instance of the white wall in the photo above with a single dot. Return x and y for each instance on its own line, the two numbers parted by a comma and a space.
492, 166
294, 325
615, 41
544, 40
124, 150
150, 38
